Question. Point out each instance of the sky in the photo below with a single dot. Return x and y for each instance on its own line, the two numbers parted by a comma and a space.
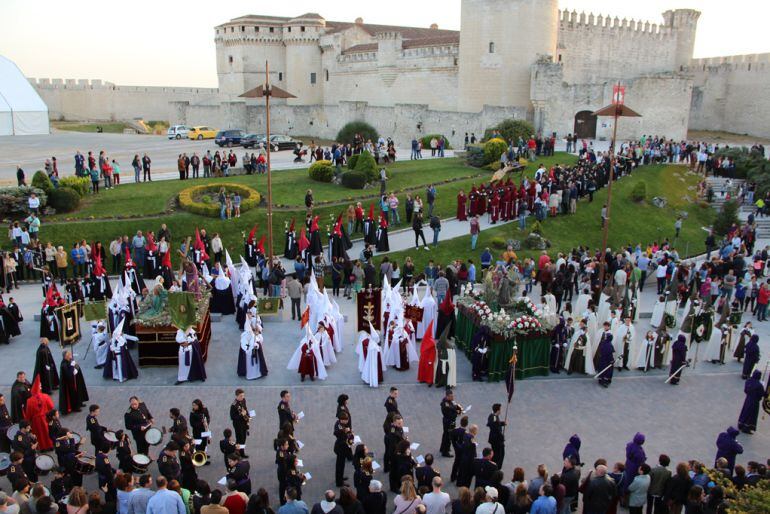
170, 42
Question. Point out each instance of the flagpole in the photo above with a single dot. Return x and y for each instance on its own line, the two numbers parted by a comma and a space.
514, 358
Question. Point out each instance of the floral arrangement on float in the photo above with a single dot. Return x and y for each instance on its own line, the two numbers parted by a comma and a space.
525, 319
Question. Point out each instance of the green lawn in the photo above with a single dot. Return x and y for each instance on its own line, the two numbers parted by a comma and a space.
630, 222
152, 200
110, 128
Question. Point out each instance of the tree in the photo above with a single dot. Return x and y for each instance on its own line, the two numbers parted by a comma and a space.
726, 218
511, 130
349, 131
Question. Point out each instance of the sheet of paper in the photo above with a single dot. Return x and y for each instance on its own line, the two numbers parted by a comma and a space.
300, 463
414, 446
197, 441
205, 434
420, 459
406, 430
222, 481
300, 444
375, 465
467, 409
356, 440
301, 414
240, 446
308, 476
482, 350
252, 414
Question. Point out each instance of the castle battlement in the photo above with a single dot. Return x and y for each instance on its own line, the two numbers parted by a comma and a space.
98, 84
731, 62
578, 21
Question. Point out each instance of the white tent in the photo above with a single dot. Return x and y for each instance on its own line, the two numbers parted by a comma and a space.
22, 111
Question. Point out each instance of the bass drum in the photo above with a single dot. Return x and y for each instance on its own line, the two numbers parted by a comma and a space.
85, 465
111, 439
44, 464
76, 438
11, 432
140, 463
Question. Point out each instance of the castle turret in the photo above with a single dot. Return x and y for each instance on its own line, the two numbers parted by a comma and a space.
683, 23
303, 59
499, 42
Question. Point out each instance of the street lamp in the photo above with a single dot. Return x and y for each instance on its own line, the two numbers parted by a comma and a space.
617, 109
266, 91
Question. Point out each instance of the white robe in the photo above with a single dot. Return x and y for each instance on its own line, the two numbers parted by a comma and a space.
592, 330
294, 361
588, 353
451, 379
713, 347
657, 314
581, 305
393, 356
430, 312
369, 371
250, 341
325, 343
603, 311
183, 372
100, 344
645, 354
617, 341
549, 301
360, 350
118, 346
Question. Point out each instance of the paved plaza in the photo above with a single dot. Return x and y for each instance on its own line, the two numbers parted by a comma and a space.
682, 421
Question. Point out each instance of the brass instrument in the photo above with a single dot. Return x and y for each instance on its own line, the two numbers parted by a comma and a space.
199, 459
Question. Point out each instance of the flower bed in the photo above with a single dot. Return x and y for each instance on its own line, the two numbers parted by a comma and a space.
193, 199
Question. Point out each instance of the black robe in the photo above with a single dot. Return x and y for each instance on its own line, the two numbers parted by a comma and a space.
316, 246
19, 395
150, 269
127, 364
242, 361
73, 393
15, 312
250, 251
49, 328
100, 289
337, 244
445, 321
130, 276
291, 246
370, 232
10, 321
382, 240
45, 367
222, 301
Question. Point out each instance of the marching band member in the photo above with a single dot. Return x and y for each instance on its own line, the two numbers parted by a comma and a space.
137, 420
199, 422
239, 415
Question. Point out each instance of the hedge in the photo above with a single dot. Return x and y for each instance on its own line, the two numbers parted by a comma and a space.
367, 165
321, 171
426, 141
64, 199
349, 131
15, 200
81, 185
493, 149
352, 160
250, 198
511, 130
40, 180
354, 179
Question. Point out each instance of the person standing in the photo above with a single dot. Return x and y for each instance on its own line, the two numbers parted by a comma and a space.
239, 415
449, 412
435, 224
600, 492
659, 477
430, 196
342, 446
146, 163
436, 501
605, 352
73, 394
20, 177
285, 414
165, 501
755, 392
475, 230
496, 435
137, 420
678, 359
45, 368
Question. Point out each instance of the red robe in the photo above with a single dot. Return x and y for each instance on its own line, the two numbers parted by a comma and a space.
473, 201
425, 371
494, 207
38, 405
307, 362
461, 201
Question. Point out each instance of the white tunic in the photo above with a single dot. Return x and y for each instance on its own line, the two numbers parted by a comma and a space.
295, 358
430, 311
714, 346
657, 314
118, 346
645, 354
588, 353
250, 342
617, 340
100, 345
369, 373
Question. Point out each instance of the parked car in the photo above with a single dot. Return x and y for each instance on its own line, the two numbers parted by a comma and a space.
277, 141
229, 137
178, 131
202, 132
252, 140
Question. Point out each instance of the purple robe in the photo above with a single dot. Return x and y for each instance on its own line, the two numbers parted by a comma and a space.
751, 356
755, 391
678, 358
635, 457
197, 368
259, 356
127, 365
728, 446
606, 358
572, 450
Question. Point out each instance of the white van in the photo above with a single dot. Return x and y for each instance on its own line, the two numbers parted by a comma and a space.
178, 131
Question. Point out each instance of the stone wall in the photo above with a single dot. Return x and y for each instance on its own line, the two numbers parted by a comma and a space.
80, 100
731, 94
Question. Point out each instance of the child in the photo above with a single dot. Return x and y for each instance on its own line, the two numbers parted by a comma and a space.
237, 204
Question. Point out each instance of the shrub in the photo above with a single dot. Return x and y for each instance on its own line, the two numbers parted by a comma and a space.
352, 161
193, 199
498, 243
354, 179
367, 165
474, 155
726, 218
349, 131
64, 199
14, 200
321, 171
511, 130
80, 185
426, 141
493, 149
537, 228
743, 158
639, 192
40, 180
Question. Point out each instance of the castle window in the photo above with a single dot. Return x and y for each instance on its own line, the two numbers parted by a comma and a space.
232, 29
749, 66
243, 29
559, 57
491, 47
230, 59
280, 76
455, 61
312, 78
326, 75
272, 29
256, 29
289, 29
302, 29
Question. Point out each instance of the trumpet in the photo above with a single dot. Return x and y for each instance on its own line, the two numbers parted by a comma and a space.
199, 459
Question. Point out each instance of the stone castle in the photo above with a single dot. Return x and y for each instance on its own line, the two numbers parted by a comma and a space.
511, 58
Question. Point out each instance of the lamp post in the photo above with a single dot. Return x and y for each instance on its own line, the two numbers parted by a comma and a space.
616, 109
266, 91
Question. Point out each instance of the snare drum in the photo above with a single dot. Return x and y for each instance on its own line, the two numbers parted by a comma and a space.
140, 463
11, 432
76, 438
153, 436
44, 464
5, 463
85, 465
111, 438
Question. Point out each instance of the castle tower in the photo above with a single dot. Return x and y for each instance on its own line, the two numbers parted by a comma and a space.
303, 59
684, 24
499, 42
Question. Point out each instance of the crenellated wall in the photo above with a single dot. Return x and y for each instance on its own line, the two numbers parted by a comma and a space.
731, 94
